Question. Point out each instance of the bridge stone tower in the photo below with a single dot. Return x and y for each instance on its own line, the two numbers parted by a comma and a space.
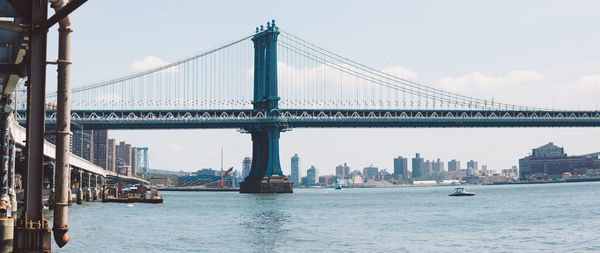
265, 174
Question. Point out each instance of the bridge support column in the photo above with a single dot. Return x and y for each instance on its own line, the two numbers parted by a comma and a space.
103, 182
32, 233
88, 189
79, 189
265, 175
52, 196
11, 177
7, 221
95, 189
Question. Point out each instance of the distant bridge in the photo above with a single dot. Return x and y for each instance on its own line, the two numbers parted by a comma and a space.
238, 85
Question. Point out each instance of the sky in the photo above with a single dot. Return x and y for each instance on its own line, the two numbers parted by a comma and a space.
535, 53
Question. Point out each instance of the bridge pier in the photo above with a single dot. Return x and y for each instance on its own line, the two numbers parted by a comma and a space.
265, 175
79, 189
95, 189
52, 196
88, 189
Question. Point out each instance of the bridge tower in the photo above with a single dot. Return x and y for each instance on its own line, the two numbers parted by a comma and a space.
265, 173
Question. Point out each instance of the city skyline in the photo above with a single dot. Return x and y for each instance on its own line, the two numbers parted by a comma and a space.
514, 63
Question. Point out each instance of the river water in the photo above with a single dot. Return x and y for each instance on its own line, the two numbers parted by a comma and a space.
506, 218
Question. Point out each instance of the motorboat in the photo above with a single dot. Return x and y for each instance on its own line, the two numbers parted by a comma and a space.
338, 187
458, 192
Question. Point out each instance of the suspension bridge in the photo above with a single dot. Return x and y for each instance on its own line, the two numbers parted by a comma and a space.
273, 81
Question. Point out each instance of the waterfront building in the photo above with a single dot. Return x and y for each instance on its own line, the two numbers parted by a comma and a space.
295, 170
160, 181
484, 170
550, 161
312, 176
100, 144
438, 166
204, 176
453, 165
246, 166
83, 143
400, 167
327, 180
342, 171
417, 166
134, 161
427, 169
512, 173
369, 172
123, 151
356, 179
473, 165
111, 157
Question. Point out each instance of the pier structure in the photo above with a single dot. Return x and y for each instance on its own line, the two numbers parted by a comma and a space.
23, 150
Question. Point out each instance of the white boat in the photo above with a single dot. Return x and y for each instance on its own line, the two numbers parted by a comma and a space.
461, 192
338, 187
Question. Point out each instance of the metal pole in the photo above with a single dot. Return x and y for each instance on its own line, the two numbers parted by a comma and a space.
32, 232
6, 216
4, 195
11, 177
63, 127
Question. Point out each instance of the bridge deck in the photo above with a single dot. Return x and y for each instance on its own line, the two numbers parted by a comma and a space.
314, 118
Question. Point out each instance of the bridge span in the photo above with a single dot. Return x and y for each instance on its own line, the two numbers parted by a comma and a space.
325, 118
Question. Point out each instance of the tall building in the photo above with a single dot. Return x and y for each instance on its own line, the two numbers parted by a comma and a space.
369, 172
142, 161
401, 167
100, 140
83, 144
473, 166
111, 156
438, 166
246, 166
427, 169
342, 171
417, 166
453, 165
484, 170
295, 168
312, 176
123, 154
134, 161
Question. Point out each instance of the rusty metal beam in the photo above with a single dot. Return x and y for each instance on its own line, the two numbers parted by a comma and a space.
62, 13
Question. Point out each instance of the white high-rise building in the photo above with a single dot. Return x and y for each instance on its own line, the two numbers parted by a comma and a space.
312, 176
246, 166
295, 177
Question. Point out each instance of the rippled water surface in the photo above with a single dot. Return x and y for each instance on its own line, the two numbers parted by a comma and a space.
508, 218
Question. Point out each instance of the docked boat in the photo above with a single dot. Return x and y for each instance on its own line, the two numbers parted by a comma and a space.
458, 192
138, 194
338, 187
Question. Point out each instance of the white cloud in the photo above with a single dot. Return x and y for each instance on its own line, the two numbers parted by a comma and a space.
401, 72
478, 81
151, 62
176, 146
587, 83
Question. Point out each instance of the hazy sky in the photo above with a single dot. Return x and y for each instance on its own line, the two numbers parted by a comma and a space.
542, 53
